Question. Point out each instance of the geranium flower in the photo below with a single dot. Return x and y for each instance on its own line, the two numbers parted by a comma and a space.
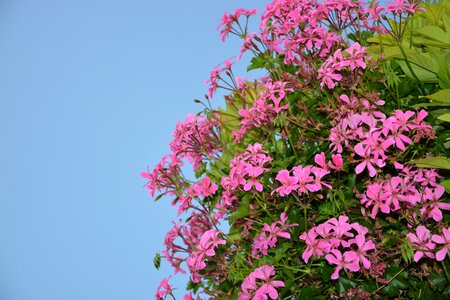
422, 241
444, 240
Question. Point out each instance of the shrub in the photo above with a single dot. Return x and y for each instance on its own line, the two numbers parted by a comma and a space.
318, 180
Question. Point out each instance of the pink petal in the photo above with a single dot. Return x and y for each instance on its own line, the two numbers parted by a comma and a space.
360, 167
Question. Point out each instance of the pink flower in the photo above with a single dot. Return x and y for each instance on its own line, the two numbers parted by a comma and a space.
205, 248
422, 241
205, 187
268, 236
341, 227
313, 245
304, 178
253, 289
164, 289
289, 183
375, 197
363, 246
228, 20
321, 160
368, 160
347, 261
433, 209
253, 172
356, 57
336, 162
269, 289
444, 240
318, 174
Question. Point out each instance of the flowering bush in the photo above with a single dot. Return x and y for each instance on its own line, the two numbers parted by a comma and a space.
319, 180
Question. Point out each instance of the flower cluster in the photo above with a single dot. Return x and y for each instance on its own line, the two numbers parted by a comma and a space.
228, 20
205, 248
269, 235
371, 135
406, 193
352, 58
264, 109
301, 180
336, 238
193, 139
252, 288
245, 169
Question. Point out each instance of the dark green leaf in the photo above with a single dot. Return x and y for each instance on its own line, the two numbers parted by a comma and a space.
157, 261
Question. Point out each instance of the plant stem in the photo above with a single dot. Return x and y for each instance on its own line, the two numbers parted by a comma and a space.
445, 271
390, 280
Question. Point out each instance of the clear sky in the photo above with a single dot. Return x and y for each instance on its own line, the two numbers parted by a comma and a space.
90, 91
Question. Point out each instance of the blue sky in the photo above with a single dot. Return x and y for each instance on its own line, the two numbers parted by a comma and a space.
90, 92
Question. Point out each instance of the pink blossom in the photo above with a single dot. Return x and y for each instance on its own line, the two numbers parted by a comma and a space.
336, 162
304, 178
268, 236
347, 261
318, 174
341, 227
363, 246
164, 289
313, 245
205, 187
443, 240
289, 183
433, 208
253, 289
356, 57
368, 160
422, 241
321, 160
253, 172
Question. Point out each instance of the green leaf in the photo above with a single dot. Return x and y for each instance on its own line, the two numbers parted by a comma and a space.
446, 185
345, 284
398, 283
422, 74
242, 211
438, 162
437, 280
159, 197
442, 97
407, 251
435, 36
308, 292
257, 62
157, 261
443, 74
445, 117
